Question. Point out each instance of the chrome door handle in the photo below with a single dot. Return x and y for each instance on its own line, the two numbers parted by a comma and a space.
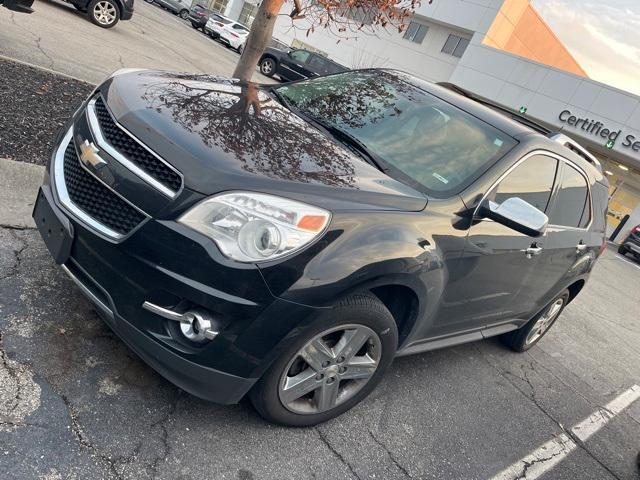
581, 247
531, 251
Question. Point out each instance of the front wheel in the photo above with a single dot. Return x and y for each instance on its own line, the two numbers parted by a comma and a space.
184, 14
622, 250
104, 13
526, 337
333, 365
268, 67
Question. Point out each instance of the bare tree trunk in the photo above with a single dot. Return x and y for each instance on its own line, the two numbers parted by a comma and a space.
261, 32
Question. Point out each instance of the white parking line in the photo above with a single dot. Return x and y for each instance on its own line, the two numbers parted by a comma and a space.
554, 451
626, 260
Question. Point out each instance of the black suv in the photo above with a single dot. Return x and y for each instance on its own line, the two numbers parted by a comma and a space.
288, 242
105, 13
198, 16
296, 64
631, 244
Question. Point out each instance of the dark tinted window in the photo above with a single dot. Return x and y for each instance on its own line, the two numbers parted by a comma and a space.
571, 207
417, 137
532, 181
317, 63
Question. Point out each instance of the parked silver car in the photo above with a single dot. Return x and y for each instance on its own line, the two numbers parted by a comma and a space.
179, 7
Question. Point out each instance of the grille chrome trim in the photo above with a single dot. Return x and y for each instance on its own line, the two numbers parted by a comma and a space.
60, 190
102, 142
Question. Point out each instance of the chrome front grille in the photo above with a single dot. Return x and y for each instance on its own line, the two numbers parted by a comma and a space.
96, 200
89, 200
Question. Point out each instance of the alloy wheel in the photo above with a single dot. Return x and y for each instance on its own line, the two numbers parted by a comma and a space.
330, 369
104, 12
266, 67
544, 322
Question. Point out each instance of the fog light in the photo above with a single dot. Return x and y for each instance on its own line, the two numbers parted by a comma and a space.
197, 325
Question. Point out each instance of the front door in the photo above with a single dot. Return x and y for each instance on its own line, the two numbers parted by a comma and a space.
294, 65
497, 271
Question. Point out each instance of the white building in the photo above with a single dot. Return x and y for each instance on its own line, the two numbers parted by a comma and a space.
504, 51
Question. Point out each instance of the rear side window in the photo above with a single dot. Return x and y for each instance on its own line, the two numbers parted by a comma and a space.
572, 207
317, 63
532, 181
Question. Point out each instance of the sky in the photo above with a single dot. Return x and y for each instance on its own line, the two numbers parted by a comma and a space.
603, 36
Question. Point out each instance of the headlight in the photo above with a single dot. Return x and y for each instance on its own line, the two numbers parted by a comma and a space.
254, 227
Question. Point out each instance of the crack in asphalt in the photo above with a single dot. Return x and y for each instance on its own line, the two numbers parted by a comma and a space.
37, 38
337, 454
16, 227
392, 457
155, 464
528, 465
532, 397
15, 268
84, 441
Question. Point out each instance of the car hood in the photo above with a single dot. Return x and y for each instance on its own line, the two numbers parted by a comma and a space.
224, 135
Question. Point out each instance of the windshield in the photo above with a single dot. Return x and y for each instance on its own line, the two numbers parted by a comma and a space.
417, 136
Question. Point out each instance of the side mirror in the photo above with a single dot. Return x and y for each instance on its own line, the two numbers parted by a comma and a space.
518, 215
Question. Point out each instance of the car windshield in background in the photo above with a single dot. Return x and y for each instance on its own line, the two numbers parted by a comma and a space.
417, 136
242, 28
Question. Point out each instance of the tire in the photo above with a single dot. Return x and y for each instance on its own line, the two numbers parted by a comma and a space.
184, 14
622, 250
359, 318
268, 66
527, 336
195, 25
103, 13
149, 1
240, 48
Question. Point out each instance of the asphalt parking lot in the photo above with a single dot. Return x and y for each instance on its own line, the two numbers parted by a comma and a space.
59, 37
76, 403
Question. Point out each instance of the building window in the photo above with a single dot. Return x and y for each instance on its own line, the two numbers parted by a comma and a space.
455, 45
218, 6
247, 14
415, 32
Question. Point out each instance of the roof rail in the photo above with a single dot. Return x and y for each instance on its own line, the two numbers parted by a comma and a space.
575, 147
522, 119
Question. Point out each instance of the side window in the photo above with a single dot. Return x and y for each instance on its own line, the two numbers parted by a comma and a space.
532, 181
572, 207
300, 55
317, 63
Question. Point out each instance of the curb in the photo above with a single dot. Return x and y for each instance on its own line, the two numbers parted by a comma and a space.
45, 69
19, 183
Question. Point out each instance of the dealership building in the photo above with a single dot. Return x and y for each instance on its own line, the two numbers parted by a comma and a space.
503, 51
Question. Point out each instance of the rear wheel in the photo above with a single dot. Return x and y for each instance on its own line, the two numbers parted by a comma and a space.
268, 66
195, 25
332, 366
622, 250
104, 13
526, 337
184, 14
240, 49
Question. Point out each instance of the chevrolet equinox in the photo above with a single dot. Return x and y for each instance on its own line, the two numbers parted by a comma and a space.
287, 242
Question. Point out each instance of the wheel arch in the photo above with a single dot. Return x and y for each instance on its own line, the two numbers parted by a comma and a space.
575, 288
403, 304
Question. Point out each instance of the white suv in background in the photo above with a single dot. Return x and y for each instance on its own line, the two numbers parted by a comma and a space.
216, 24
234, 35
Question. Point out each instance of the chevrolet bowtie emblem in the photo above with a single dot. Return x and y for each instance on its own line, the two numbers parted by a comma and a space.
89, 155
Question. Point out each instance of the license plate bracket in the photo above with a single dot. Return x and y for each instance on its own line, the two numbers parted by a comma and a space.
55, 228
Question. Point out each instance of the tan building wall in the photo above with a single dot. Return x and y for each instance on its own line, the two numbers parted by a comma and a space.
518, 29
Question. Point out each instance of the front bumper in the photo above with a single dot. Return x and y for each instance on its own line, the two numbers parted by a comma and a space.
170, 265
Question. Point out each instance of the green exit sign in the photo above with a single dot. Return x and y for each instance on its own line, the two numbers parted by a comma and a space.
610, 144
523, 110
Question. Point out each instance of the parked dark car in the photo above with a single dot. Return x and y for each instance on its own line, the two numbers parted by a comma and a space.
631, 244
198, 16
21, 6
288, 242
296, 64
105, 13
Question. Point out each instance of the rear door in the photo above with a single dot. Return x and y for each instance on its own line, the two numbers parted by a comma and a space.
293, 66
317, 65
572, 246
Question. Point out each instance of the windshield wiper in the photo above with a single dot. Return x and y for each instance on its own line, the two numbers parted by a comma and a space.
280, 98
354, 144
